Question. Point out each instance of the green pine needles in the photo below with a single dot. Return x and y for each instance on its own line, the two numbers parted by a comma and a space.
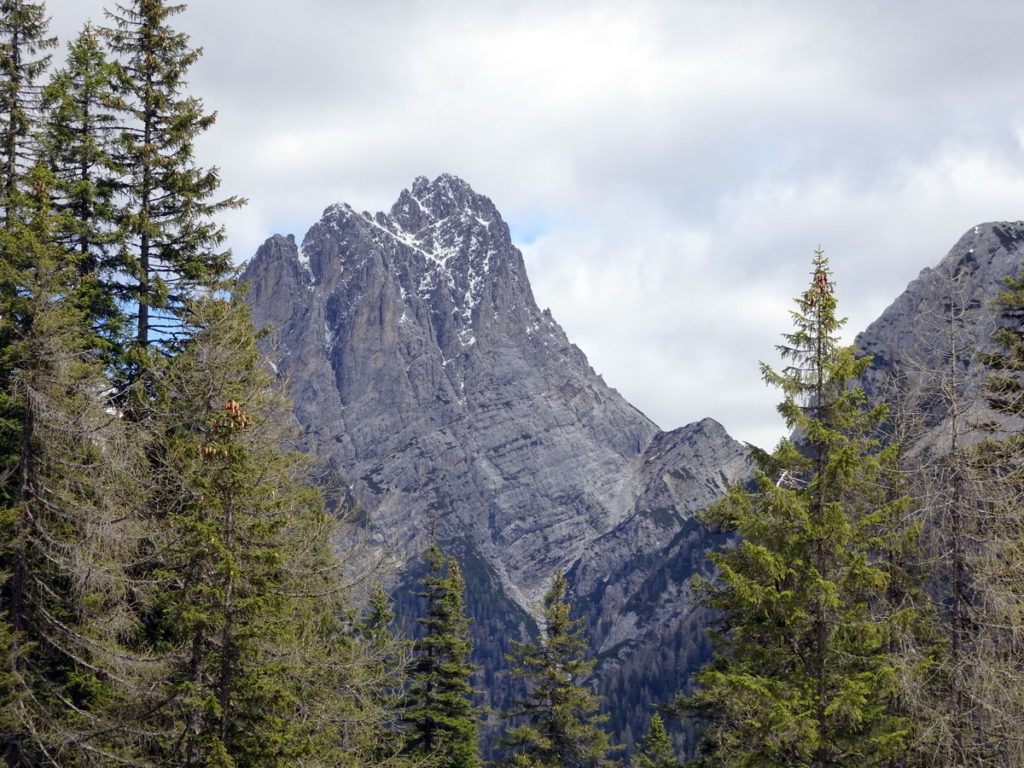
655, 749
441, 720
804, 674
562, 727
170, 591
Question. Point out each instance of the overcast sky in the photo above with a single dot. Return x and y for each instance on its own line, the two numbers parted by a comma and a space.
666, 168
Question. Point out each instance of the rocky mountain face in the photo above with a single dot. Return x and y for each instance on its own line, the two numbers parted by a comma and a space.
925, 345
422, 369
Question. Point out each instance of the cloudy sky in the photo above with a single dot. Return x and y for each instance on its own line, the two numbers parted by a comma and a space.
666, 167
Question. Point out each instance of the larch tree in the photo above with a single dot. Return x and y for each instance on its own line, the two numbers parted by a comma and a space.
934, 415
562, 727
805, 673
440, 718
994, 636
387, 657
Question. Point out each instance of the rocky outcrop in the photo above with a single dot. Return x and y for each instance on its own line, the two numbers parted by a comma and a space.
423, 370
924, 346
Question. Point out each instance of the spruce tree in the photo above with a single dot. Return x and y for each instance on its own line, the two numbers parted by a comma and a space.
249, 612
563, 727
655, 749
441, 720
77, 144
66, 528
172, 241
805, 673
23, 39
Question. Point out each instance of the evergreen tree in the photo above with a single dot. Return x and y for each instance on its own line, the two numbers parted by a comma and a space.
378, 619
387, 663
250, 612
77, 144
390, 653
23, 38
655, 749
65, 537
441, 720
167, 210
805, 673
562, 728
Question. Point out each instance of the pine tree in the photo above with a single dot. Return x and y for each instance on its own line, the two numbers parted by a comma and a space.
167, 211
655, 750
805, 672
250, 612
77, 145
23, 38
562, 728
440, 718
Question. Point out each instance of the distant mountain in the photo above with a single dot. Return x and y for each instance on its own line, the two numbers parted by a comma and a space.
422, 369
925, 344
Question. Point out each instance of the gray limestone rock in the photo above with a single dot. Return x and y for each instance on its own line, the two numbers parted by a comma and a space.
423, 370
924, 346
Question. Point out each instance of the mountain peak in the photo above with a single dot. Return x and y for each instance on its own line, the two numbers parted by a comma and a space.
424, 373
428, 202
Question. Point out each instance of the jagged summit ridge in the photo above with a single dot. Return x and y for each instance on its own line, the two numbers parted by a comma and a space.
446, 245
427, 203
423, 368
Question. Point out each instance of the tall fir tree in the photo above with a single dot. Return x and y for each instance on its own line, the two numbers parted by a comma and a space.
77, 144
562, 726
173, 244
805, 673
24, 36
441, 720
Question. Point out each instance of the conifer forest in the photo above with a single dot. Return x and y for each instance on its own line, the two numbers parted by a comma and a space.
185, 582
